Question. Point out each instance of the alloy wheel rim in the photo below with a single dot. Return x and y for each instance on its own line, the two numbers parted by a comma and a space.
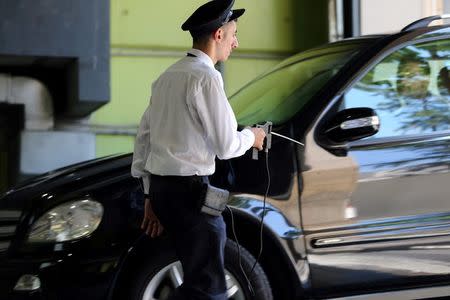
171, 276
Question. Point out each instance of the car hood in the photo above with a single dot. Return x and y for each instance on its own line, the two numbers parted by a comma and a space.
22, 194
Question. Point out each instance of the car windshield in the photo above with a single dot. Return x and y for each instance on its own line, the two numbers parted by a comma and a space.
281, 92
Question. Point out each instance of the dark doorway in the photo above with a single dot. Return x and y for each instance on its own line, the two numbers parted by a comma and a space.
11, 124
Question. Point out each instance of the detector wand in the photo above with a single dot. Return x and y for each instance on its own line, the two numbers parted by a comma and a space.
287, 138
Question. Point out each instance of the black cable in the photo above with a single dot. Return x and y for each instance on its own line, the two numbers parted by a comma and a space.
250, 287
263, 214
249, 284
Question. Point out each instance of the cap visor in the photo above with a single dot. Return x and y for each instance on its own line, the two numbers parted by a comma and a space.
237, 13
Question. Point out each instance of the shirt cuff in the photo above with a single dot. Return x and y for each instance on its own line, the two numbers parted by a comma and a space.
250, 137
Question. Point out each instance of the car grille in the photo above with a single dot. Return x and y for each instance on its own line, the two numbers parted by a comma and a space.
8, 224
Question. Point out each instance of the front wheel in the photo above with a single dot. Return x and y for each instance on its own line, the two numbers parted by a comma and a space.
159, 277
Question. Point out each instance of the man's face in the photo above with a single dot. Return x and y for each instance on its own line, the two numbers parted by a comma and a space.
413, 80
228, 42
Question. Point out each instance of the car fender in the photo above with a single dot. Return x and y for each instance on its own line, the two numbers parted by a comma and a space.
283, 243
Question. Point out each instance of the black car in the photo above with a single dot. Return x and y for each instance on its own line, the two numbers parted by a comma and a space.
357, 204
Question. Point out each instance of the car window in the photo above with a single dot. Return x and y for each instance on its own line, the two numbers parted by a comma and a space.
409, 90
282, 92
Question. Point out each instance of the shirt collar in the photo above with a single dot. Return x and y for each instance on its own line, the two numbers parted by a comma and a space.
202, 56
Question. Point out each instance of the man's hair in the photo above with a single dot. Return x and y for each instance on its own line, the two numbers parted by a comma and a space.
200, 38
414, 59
203, 37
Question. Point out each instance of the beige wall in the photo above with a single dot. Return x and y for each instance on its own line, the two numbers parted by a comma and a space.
385, 16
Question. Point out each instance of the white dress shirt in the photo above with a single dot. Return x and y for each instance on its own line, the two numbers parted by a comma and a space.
187, 123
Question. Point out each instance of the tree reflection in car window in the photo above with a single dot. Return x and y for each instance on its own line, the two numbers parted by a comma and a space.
409, 90
282, 92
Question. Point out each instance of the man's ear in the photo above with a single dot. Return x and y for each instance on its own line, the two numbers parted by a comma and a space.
218, 34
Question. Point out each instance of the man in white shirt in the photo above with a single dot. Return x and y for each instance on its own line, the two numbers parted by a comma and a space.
187, 124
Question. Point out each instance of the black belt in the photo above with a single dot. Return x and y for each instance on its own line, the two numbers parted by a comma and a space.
178, 179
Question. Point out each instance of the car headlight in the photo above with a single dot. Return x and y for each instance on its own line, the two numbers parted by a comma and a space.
68, 221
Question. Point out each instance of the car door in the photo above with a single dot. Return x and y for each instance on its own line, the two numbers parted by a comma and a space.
376, 211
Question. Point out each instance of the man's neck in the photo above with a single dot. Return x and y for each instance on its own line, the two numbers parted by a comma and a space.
208, 50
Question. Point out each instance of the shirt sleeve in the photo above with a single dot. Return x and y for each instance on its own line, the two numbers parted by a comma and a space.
141, 151
219, 122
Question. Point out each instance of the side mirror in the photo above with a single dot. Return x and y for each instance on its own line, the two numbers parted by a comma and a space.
351, 124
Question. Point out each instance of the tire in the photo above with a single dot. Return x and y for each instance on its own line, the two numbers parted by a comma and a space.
156, 278
258, 279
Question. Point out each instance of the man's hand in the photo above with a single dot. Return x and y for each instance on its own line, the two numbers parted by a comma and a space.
259, 137
151, 224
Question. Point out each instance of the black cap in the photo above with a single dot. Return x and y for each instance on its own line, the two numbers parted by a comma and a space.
211, 16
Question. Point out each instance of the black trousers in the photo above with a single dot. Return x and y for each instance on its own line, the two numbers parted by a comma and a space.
199, 238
